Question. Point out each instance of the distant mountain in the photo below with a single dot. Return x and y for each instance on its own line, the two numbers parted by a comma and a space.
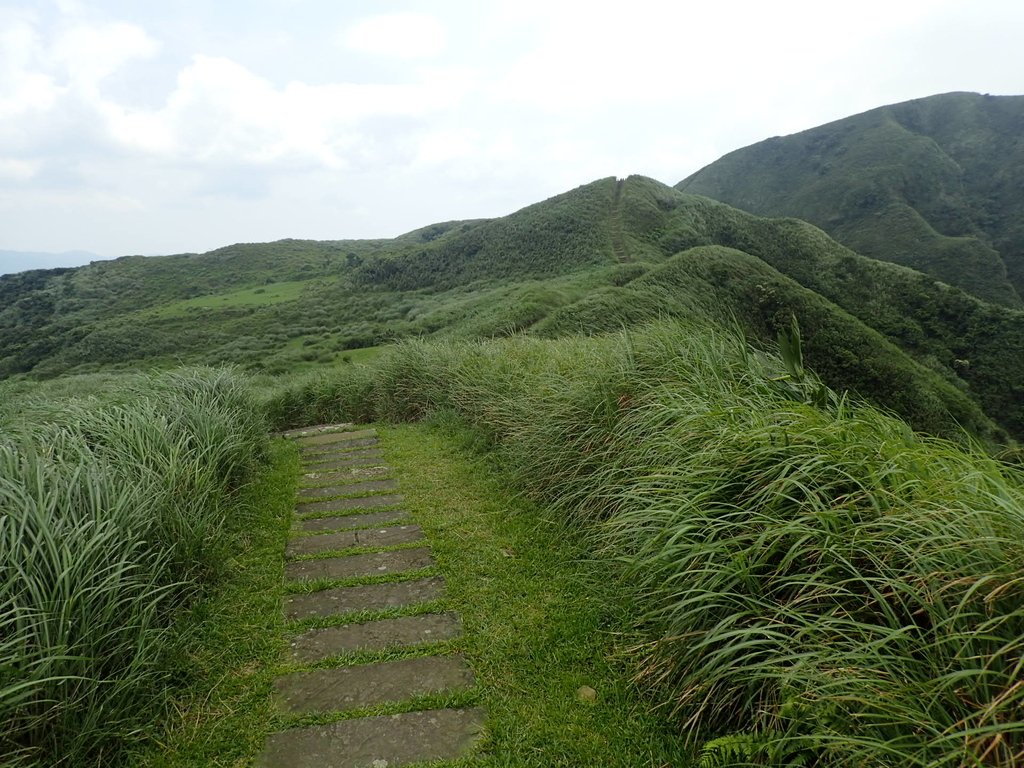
936, 184
609, 254
21, 261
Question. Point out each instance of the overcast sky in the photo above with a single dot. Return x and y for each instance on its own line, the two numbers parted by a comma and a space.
185, 125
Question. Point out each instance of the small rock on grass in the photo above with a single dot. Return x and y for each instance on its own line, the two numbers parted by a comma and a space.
586, 694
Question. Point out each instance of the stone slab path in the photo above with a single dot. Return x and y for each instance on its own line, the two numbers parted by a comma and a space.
350, 527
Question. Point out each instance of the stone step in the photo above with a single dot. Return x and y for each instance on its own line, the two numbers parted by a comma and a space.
387, 741
355, 520
367, 486
344, 505
366, 685
352, 566
306, 431
366, 597
325, 438
342, 477
318, 644
338, 448
372, 537
362, 458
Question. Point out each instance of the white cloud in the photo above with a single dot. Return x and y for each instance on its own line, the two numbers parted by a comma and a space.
180, 133
442, 147
401, 35
22, 87
14, 169
88, 53
590, 56
220, 111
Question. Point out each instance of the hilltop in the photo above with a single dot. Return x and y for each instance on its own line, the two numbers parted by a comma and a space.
934, 184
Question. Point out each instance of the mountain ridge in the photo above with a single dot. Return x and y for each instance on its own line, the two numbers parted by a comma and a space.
932, 183
604, 255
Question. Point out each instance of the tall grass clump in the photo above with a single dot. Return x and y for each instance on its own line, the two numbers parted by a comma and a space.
819, 579
814, 583
111, 509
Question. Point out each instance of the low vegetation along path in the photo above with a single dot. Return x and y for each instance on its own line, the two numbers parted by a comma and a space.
364, 628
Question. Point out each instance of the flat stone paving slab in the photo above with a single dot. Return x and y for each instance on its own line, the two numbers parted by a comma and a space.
324, 438
341, 477
339, 448
370, 564
371, 537
355, 520
387, 537
367, 597
343, 505
366, 685
363, 458
377, 742
311, 545
367, 486
318, 644
306, 431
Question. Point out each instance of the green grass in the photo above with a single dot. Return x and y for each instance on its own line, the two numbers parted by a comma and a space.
808, 579
541, 619
360, 356
229, 645
114, 520
263, 295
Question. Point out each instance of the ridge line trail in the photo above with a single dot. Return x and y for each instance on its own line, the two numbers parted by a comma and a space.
615, 224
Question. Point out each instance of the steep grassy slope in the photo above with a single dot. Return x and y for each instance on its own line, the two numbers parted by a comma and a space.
608, 254
934, 184
975, 346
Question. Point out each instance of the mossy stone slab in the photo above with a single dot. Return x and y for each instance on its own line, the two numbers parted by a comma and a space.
350, 489
376, 742
366, 597
355, 520
338, 448
365, 458
312, 545
352, 566
371, 537
366, 685
324, 428
318, 644
343, 477
344, 505
335, 437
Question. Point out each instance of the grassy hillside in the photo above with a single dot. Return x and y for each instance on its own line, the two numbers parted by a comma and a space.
934, 184
798, 578
812, 583
609, 254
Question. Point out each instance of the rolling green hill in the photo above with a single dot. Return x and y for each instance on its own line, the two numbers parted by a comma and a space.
936, 184
610, 254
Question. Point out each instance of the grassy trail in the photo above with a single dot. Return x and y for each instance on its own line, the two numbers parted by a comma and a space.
615, 225
541, 621
541, 624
